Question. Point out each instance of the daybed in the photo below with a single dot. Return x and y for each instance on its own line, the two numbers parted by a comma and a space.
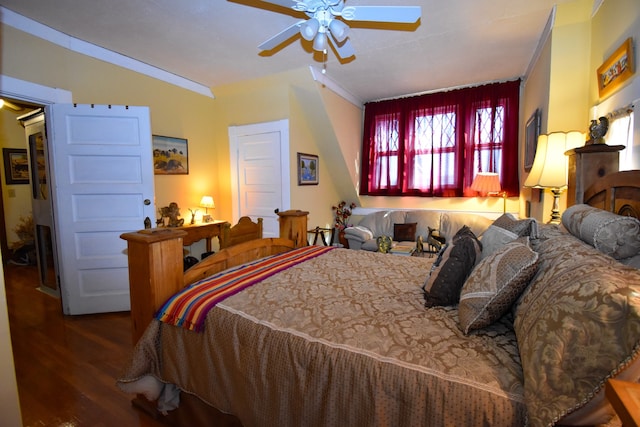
344, 337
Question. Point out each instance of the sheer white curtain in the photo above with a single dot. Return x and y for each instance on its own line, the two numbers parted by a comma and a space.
621, 124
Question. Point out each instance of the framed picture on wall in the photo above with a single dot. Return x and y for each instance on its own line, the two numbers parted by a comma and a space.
170, 155
16, 166
532, 131
616, 69
307, 169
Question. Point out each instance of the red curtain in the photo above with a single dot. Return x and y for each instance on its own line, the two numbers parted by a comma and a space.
434, 144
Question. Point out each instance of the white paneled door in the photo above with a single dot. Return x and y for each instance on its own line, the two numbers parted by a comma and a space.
102, 186
260, 172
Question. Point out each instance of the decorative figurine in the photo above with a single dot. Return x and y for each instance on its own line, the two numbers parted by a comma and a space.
597, 130
193, 215
172, 212
384, 244
434, 241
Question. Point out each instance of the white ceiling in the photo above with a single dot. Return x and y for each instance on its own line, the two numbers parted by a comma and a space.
214, 42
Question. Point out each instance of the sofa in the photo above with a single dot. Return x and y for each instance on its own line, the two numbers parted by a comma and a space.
408, 225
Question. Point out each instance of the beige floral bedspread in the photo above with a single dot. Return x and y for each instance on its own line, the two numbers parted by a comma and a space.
343, 339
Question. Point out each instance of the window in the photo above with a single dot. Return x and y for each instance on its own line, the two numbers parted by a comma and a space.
621, 133
433, 145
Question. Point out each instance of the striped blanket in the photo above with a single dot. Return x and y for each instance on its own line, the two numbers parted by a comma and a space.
189, 307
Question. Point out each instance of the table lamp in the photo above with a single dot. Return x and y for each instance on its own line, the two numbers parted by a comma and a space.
207, 202
549, 168
488, 183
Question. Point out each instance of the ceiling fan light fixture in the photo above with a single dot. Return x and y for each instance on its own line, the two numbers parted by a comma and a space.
339, 30
320, 42
309, 29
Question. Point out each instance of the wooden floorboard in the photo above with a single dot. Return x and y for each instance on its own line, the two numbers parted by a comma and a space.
66, 366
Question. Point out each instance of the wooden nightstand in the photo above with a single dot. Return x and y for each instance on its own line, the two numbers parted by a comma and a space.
624, 396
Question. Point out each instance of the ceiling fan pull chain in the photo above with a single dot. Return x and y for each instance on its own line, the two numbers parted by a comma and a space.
324, 63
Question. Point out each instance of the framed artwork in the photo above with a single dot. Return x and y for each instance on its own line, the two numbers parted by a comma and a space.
307, 169
170, 155
616, 69
16, 166
532, 131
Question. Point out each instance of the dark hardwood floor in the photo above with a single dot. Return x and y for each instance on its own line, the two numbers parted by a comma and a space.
66, 366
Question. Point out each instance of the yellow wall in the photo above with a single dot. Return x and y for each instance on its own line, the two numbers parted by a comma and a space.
563, 81
614, 22
204, 121
562, 84
292, 95
174, 111
568, 85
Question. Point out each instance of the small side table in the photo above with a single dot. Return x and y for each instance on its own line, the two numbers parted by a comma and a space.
199, 231
319, 231
624, 396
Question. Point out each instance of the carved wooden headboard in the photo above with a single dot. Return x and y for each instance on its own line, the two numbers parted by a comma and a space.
616, 192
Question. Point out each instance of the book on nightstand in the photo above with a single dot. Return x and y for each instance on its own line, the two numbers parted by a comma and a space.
400, 249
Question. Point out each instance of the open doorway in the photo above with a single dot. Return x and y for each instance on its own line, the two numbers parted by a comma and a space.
15, 198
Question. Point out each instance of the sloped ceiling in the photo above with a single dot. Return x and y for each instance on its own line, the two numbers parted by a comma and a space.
214, 42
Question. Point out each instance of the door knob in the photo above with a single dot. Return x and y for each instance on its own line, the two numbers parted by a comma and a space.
147, 202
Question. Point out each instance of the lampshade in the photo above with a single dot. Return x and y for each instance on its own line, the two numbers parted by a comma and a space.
320, 42
549, 168
339, 30
309, 29
486, 182
207, 202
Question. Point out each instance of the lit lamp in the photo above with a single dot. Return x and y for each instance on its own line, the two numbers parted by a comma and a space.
549, 168
207, 202
489, 183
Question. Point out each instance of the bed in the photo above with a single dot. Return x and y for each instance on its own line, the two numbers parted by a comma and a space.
327, 336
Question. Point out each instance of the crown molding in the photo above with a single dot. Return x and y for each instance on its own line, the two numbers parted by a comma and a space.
39, 30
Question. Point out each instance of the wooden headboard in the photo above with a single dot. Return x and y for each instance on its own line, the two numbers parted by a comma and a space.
616, 192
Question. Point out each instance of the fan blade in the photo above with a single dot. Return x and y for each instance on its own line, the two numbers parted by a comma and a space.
399, 14
283, 3
282, 36
345, 49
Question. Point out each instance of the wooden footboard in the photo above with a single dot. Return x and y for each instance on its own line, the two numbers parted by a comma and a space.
156, 268
236, 255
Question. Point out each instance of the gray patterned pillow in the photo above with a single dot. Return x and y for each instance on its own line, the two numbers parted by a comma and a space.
577, 324
495, 284
522, 227
614, 235
495, 238
449, 272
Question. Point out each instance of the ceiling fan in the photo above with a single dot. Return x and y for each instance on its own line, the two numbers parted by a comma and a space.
324, 25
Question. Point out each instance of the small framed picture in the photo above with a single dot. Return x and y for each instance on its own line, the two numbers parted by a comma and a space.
16, 166
307, 169
532, 132
170, 155
616, 69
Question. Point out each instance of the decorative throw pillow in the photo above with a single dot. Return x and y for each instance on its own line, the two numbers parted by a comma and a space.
577, 324
495, 238
454, 263
522, 227
495, 284
404, 232
614, 235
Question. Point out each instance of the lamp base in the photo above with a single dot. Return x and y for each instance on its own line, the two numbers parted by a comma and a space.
555, 210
